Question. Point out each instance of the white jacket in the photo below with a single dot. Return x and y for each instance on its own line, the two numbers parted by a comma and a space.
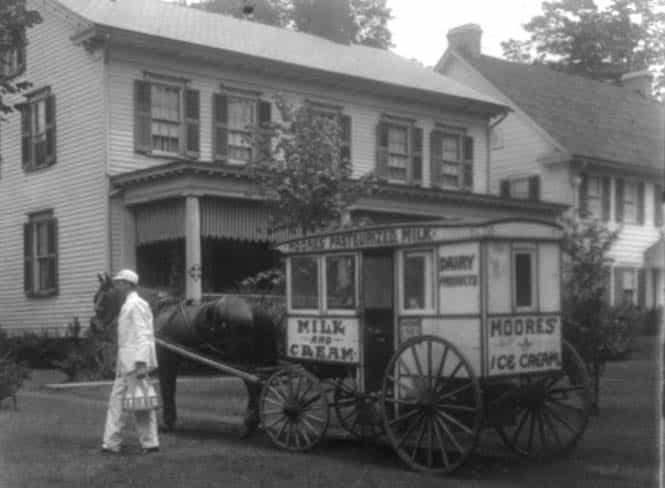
136, 337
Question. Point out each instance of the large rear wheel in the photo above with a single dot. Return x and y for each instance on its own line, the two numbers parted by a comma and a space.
432, 405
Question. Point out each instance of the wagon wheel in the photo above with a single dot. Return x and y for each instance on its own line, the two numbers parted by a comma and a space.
358, 413
432, 405
294, 409
551, 410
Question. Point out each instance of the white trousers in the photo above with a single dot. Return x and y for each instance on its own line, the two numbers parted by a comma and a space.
116, 419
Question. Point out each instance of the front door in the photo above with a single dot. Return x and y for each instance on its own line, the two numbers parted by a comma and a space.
378, 315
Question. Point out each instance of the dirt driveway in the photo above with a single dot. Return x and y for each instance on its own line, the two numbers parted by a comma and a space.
53, 441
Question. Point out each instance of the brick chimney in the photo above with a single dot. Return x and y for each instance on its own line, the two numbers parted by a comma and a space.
466, 39
638, 81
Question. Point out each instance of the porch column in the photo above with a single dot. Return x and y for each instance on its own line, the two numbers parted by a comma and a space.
192, 249
128, 239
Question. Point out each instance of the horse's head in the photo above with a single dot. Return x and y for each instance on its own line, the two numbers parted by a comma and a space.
107, 300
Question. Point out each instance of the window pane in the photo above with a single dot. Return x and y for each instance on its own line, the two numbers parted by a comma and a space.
240, 113
397, 140
304, 283
42, 239
340, 282
416, 269
519, 188
45, 279
523, 284
630, 203
450, 148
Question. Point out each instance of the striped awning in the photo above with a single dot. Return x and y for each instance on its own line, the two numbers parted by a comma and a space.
654, 257
160, 221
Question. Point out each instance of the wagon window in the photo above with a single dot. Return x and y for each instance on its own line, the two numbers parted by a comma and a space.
524, 282
304, 283
417, 280
340, 282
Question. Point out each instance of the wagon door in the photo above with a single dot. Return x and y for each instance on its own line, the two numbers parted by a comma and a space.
378, 315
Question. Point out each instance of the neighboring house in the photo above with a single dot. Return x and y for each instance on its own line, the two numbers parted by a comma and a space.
595, 146
129, 149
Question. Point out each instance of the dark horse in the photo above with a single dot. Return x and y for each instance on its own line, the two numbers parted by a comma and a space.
228, 329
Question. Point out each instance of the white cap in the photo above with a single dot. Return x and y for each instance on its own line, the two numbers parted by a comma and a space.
127, 275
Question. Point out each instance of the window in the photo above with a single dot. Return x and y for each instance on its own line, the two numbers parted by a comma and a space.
12, 59
399, 151
417, 284
40, 255
452, 160
519, 188
166, 119
236, 116
628, 287
523, 188
334, 113
524, 279
165, 115
38, 130
630, 202
340, 282
304, 283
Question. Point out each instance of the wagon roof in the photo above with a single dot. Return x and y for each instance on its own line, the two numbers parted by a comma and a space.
419, 233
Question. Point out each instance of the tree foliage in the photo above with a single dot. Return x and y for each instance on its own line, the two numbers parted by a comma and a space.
309, 184
14, 20
578, 37
345, 21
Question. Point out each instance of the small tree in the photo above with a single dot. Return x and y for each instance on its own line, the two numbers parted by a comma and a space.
306, 176
14, 20
586, 275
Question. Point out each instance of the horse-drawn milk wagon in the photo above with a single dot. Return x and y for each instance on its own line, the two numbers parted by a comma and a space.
429, 332
421, 333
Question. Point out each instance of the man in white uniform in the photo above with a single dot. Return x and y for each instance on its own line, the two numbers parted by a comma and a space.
136, 356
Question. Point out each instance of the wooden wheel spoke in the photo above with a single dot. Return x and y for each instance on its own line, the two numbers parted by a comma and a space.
282, 429
274, 402
406, 368
277, 393
307, 403
310, 415
404, 417
419, 439
559, 419
274, 412
281, 419
429, 364
579, 410
296, 431
400, 401
454, 421
346, 402
430, 455
461, 408
416, 359
456, 391
550, 425
305, 435
566, 389
541, 430
442, 362
450, 435
520, 426
442, 447
531, 429
409, 430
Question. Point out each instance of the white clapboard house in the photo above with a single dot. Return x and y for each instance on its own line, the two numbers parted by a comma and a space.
129, 148
595, 146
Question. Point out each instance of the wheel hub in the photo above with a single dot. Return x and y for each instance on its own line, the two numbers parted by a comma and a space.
292, 409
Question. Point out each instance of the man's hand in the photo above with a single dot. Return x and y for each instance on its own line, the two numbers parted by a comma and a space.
141, 369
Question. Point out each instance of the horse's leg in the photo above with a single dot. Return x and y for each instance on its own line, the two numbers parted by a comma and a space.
168, 370
251, 420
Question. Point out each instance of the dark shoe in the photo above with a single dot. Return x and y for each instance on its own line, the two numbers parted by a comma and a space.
150, 450
106, 450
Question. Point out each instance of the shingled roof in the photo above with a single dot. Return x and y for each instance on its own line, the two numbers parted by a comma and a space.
197, 27
590, 119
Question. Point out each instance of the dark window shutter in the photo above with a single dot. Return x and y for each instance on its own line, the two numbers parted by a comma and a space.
192, 124
584, 199
52, 230
417, 156
467, 155
618, 286
50, 130
640, 203
641, 288
219, 121
264, 143
382, 150
436, 157
504, 188
142, 117
27, 258
658, 205
534, 187
606, 199
26, 135
345, 132
619, 200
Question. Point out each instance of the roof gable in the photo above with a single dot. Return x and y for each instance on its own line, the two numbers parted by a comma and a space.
197, 27
589, 119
